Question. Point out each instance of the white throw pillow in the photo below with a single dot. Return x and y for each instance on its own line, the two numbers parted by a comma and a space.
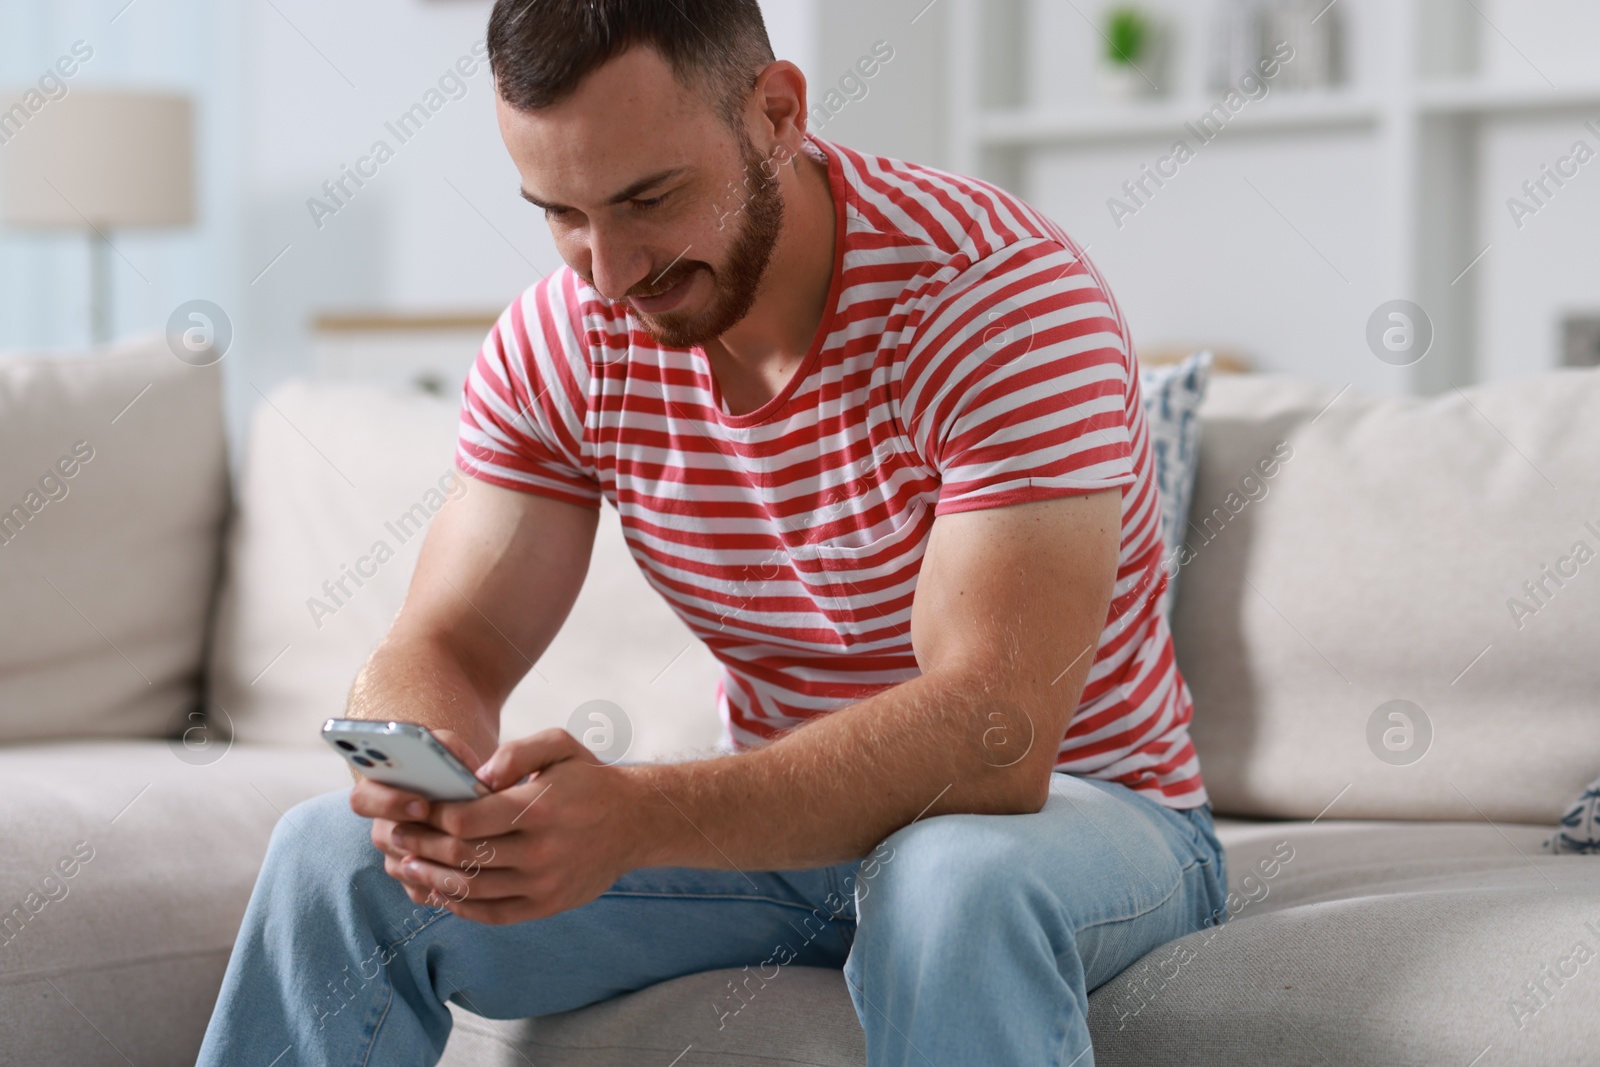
333, 471
113, 494
1349, 551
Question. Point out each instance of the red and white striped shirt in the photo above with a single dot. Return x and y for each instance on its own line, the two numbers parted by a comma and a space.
972, 357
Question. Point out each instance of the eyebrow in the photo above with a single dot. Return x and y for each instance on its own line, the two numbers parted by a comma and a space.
642, 185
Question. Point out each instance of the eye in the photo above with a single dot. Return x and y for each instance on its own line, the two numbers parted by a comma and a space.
557, 214
650, 203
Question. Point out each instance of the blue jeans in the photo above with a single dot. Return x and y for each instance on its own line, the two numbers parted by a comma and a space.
964, 938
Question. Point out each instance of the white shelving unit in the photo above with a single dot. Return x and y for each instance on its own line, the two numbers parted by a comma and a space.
1424, 101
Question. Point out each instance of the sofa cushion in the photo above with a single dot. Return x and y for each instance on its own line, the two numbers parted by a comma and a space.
1382, 559
1369, 942
163, 849
114, 490
1347, 942
1579, 829
807, 1021
333, 471
1172, 396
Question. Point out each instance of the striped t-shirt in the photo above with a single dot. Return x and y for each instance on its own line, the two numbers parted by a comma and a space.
970, 357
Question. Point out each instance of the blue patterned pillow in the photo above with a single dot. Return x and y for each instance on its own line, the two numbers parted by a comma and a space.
1172, 396
1579, 830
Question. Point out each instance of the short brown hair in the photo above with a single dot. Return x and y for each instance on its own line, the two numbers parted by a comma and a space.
541, 50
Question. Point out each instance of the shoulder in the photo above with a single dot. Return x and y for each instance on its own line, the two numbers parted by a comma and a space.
953, 216
971, 257
1028, 296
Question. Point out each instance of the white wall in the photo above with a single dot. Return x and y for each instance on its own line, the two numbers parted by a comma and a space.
287, 93
1550, 267
1208, 262
1268, 246
179, 45
903, 112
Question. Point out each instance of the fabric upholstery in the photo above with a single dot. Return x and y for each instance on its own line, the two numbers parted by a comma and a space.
106, 572
1357, 572
138, 937
1377, 563
1347, 942
331, 472
1172, 396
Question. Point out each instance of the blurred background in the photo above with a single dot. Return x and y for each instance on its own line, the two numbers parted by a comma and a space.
1434, 151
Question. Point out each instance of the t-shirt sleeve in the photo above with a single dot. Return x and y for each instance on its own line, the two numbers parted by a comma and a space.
524, 402
1017, 384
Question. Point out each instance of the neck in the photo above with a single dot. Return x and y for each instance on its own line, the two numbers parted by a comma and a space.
792, 301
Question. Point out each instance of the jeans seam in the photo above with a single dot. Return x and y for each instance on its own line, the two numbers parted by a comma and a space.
372, 1042
1182, 871
835, 892
729, 897
396, 944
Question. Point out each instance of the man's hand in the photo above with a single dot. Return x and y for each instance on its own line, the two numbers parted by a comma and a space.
537, 846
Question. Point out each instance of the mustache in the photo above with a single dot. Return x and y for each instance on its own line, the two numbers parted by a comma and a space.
668, 279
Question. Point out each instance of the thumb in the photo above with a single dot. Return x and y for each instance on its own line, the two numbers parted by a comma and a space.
515, 760
458, 747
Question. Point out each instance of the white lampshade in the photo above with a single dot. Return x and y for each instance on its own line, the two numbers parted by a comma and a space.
117, 159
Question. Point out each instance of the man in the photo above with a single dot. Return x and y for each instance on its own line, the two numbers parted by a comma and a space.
874, 432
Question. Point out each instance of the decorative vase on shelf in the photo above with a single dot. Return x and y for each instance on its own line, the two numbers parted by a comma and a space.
1130, 60
1236, 42
1245, 31
1312, 28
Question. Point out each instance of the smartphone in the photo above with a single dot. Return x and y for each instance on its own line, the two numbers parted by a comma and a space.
404, 755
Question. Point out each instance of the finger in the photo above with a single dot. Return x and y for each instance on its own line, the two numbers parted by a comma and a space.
378, 801
496, 815
458, 747
384, 832
419, 892
455, 885
515, 760
419, 839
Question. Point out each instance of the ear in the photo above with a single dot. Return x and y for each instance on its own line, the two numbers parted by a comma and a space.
779, 101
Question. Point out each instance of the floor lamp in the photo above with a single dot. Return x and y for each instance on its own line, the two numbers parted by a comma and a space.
95, 161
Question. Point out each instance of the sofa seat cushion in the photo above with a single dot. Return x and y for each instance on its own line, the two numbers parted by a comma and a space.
1348, 942
138, 937
807, 1021
1372, 942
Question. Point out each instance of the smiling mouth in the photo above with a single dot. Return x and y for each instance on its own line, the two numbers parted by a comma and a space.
662, 298
674, 278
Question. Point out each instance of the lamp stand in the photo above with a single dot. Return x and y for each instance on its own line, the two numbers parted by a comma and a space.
99, 287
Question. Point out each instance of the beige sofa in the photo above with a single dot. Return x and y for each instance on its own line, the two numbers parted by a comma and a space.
1387, 908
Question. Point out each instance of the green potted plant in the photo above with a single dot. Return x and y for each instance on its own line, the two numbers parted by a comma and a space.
1127, 62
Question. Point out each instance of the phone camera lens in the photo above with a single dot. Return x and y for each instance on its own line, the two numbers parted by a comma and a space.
347, 746
379, 756
362, 760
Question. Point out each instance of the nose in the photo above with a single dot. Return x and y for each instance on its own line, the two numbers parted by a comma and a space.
616, 264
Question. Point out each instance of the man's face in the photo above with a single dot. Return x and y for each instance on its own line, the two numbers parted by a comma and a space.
652, 197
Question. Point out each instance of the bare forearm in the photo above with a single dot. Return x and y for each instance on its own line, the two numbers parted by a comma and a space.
833, 789
416, 679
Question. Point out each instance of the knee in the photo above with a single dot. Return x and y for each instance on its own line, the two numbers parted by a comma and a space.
321, 838
947, 869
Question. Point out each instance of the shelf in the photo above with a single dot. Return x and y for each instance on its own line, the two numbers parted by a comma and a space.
1419, 139
1472, 97
1024, 127
1166, 118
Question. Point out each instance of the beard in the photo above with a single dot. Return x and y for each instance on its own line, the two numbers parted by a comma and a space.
737, 282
